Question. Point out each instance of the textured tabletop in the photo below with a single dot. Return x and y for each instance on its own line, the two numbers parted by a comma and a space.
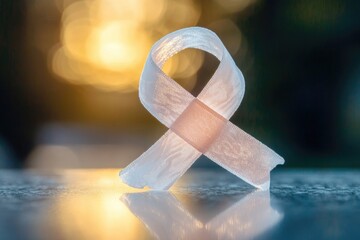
204, 204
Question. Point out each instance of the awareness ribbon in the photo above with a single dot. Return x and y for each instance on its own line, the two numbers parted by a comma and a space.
197, 125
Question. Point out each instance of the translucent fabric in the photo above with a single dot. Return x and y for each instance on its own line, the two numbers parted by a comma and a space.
196, 125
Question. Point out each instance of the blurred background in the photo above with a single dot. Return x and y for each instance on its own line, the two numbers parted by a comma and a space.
69, 72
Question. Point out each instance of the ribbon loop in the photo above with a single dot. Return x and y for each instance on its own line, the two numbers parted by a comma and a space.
197, 125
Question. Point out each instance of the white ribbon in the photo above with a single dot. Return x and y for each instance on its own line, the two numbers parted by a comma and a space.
196, 125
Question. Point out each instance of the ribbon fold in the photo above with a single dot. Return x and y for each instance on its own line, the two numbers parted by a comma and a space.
196, 125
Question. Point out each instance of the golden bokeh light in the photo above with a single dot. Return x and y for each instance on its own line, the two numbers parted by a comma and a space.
104, 43
98, 214
235, 5
111, 47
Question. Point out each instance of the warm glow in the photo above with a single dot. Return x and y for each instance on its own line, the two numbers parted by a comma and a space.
104, 43
98, 214
51, 156
111, 46
235, 5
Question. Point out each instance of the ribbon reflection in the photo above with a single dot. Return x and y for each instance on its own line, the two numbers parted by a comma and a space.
167, 218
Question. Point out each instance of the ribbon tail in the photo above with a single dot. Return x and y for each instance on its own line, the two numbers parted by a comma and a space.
244, 156
162, 164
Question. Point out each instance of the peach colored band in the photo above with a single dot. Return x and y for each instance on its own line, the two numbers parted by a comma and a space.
199, 125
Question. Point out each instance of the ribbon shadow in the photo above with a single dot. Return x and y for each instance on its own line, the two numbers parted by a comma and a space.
166, 218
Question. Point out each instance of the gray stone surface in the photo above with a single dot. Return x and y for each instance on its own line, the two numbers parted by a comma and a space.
94, 204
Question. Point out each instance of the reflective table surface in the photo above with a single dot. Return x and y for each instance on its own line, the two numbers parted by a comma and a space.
203, 204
